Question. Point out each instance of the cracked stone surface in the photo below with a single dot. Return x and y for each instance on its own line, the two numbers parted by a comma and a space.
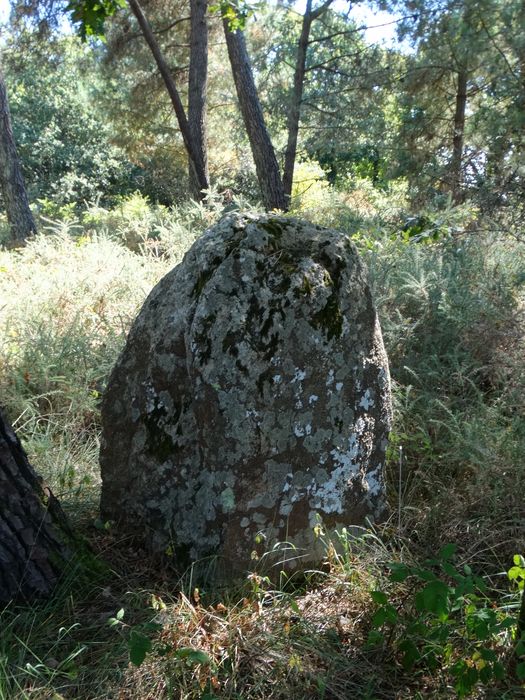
252, 399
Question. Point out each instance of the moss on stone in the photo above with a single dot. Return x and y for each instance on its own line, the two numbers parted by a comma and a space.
158, 442
205, 276
305, 289
274, 227
203, 339
329, 318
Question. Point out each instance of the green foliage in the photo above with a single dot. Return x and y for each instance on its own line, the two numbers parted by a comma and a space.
62, 134
347, 89
91, 15
68, 301
236, 12
446, 623
517, 572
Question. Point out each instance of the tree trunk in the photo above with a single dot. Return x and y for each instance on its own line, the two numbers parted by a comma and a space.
197, 90
294, 112
33, 530
456, 162
521, 96
266, 165
195, 160
12, 184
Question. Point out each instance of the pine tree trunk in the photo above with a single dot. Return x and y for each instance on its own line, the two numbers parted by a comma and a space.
197, 90
33, 530
456, 162
266, 165
12, 184
196, 163
294, 112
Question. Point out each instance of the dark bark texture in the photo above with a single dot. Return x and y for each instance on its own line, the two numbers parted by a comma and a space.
33, 530
11, 179
266, 165
195, 162
294, 112
197, 90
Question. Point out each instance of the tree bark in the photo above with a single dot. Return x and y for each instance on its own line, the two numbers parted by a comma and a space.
456, 162
294, 113
12, 184
197, 90
196, 163
521, 97
33, 529
266, 165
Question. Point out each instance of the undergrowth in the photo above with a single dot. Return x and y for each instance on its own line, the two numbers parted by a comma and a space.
451, 304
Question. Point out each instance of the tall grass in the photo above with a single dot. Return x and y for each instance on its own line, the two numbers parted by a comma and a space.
453, 318
67, 302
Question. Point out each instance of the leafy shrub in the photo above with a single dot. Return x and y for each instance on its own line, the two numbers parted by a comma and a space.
62, 135
448, 624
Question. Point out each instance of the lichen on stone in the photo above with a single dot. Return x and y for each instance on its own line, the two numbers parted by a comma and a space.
252, 397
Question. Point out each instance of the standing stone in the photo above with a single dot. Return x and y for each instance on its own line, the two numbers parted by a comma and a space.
252, 398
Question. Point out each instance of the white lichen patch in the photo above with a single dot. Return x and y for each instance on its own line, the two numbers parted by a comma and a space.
299, 375
367, 401
227, 498
298, 430
313, 399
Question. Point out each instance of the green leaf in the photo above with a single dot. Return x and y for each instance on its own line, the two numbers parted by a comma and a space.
194, 656
411, 654
375, 638
488, 655
383, 615
447, 552
520, 647
425, 574
139, 645
379, 597
451, 570
466, 678
433, 598
294, 606
399, 572
520, 670
514, 573
498, 671
485, 674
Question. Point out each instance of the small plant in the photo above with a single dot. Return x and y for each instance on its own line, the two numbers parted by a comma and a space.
140, 636
447, 621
